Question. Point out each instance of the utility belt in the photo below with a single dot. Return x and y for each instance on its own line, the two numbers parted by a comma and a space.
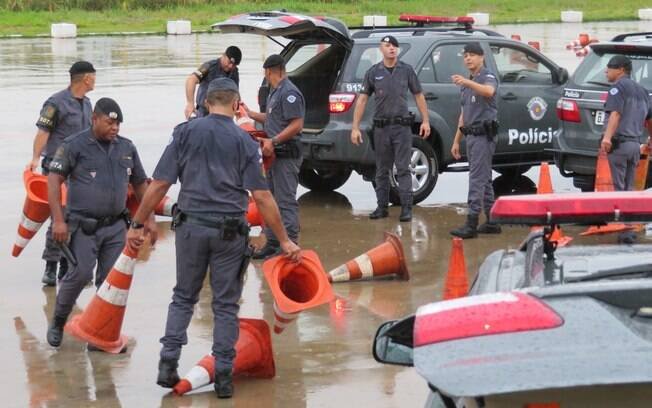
229, 226
487, 128
287, 150
617, 139
396, 120
90, 224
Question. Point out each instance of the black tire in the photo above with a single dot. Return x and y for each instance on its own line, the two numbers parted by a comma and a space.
323, 180
424, 177
513, 171
505, 186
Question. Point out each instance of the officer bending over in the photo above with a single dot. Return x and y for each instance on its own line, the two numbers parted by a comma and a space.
216, 162
98, 165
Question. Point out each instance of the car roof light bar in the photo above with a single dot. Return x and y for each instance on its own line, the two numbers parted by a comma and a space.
421, 20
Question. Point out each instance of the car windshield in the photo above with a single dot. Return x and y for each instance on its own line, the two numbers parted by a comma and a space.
592, 70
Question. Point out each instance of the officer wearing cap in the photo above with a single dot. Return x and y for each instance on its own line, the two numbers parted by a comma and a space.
389, 82
478, 123
216, 162
98, 166
282, 122
225, 66
627, 109
63, 114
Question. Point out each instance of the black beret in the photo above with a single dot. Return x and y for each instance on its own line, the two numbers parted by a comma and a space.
473, 48
620, 61
81, 67
222, 84
390, 39
274, 60
234, 54
108, 107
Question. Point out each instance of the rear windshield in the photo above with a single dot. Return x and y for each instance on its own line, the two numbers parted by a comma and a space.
361, 59
591, 71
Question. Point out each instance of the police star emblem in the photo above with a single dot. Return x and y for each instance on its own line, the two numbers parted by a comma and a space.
537, 108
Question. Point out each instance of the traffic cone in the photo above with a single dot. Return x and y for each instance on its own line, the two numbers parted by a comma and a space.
253, 215
383, 260
165, 207
457, 284
296, 286
545, 187
253, 358
101, 322
247, 124
641, 170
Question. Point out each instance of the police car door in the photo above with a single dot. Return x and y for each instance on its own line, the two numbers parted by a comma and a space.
527, 98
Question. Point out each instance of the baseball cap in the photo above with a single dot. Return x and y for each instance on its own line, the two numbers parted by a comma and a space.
619, 61
234, 54
473, 48
81, 67
390, 39
274, 60
108, 107
222, 84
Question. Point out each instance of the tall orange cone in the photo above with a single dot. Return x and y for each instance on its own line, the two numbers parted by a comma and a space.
640, 178
253, 215
383, 260
101, 322
545, 187
457, 284
296, 286
253, 358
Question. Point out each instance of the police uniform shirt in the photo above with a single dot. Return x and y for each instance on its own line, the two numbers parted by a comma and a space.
632, 101
284, 103
390, 88
98, 178
209, 71
216, 162
63, 115
475, 108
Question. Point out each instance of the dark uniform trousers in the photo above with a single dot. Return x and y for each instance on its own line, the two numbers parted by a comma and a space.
622, 162
103, 247
393, 145
197, 248
283, 179
479, 151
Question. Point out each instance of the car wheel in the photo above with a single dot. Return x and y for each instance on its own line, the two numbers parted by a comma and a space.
323, 180
424, 169
509, 185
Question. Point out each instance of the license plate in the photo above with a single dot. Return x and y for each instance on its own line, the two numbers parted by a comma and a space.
599, 118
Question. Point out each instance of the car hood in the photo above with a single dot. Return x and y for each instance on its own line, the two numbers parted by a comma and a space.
289, 25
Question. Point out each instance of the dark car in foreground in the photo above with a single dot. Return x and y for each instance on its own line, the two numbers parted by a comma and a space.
568, 327
328, 63
581, 107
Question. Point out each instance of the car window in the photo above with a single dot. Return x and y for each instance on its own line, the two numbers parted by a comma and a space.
517, 65
447, 61
361, 59
592, 70
303, 55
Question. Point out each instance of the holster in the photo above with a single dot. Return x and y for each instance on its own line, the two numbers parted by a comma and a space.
491, 128
288, 150
246, 259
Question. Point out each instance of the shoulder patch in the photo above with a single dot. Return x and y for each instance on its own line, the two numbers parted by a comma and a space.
613, 91
291, 98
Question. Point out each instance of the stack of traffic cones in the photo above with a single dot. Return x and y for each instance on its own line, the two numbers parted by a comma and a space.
457, 284
545, 187
296, 286
382, 261
101, 322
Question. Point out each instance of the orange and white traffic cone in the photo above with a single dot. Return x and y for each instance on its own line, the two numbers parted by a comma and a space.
253, 215
247, 124
101, 321
383, 260
35, 210
545, 187
296, 286
165, 207
457, 284
253, 358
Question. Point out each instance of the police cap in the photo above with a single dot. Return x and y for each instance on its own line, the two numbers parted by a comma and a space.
274, 60
234, 54
620, 61
390, 39
108, 107
81, 67
473, 48
222, 84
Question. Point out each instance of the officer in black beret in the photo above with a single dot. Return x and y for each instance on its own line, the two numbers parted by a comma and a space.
216, 162
98, 165
225, 66
63, 114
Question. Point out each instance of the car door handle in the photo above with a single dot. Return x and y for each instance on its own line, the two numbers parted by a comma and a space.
508, 96
430, 96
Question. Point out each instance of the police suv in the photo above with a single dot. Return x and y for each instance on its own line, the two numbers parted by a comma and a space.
328, 64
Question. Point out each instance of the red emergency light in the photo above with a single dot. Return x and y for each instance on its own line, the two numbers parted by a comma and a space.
574, 208
419, 19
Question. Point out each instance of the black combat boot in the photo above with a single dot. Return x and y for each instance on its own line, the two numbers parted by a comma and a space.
489, 227
469, 229
224, 383
168, 376
50, 274
406, 213
380, 212
55, 331
63, 268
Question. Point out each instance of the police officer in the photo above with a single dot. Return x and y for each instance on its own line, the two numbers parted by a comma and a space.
98, 165
628, 109
224, 66
282, 122
216, 162
389, 81
63, 114
478, 124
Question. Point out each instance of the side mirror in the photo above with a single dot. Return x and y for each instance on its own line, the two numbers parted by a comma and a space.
387, 350
562, 76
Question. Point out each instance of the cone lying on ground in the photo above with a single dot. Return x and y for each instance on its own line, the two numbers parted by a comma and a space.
100, 324
383, 260
545, 187
36, 209
457, 284
253, 215
296, 286
640, 178
253, 358
604, 182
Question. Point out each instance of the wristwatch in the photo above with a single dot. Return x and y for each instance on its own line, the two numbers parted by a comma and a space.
136, 225
274, 141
